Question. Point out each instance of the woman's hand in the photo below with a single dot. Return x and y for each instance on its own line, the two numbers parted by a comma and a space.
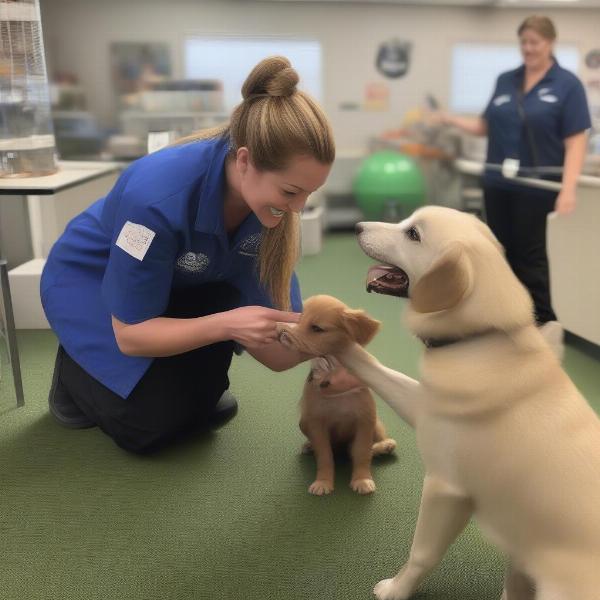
256, 326
565, 202
436, 118
472, 125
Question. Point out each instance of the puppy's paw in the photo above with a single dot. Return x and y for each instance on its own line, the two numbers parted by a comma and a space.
319, 379
321, 487
388, 589
386, 446
306, 448
363, 486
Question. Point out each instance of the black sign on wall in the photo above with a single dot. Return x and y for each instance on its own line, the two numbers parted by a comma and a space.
393, 58
592, 59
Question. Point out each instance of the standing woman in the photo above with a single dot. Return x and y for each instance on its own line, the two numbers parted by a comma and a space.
190, 253
538, 115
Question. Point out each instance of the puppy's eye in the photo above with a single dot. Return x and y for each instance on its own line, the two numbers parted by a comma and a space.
413, 234
317, 329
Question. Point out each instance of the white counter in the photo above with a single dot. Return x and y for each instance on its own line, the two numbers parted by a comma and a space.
52, 201
573, 243
69, 174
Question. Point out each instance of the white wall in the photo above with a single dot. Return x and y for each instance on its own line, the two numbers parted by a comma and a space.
78, 33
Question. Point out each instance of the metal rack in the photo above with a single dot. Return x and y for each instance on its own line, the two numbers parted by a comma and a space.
8, 332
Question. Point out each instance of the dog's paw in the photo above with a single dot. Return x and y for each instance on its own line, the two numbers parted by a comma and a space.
320, 487
388, 589
306, 448
386, 446
363, 486
320, 379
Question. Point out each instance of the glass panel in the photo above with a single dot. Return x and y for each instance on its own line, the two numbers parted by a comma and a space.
27, 145
475, 68
238, 55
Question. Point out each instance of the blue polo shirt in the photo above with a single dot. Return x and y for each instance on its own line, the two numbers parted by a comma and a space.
160, 227
555, 108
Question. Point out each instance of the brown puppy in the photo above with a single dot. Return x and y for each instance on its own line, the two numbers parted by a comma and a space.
337, 409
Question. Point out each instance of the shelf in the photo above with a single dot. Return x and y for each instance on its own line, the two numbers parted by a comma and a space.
70, 173
172, 115
18, 11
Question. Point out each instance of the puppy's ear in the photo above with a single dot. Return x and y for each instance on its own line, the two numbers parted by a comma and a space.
446, 283
360, 326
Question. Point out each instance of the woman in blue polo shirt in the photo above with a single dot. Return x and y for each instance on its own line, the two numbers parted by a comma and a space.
191, 253
538, 115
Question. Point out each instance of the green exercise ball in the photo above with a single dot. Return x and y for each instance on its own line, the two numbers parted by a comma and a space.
389, 186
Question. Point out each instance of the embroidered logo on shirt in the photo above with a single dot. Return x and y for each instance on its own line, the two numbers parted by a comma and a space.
500, 100
250, 246
192, 263
135, 239
545, 96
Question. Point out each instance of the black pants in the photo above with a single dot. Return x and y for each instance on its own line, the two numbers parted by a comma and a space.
518, 220
177, 393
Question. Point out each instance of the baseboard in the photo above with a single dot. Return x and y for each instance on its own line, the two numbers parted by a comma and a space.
589, 348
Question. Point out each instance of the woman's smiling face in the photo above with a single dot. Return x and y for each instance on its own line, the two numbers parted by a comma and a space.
270, 194
535, 49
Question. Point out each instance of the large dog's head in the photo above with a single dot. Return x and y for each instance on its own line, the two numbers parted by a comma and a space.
327, 326
451, 268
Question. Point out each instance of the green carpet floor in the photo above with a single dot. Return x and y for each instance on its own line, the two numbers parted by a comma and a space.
226, 515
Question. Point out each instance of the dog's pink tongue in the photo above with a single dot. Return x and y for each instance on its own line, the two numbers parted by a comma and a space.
377, 271
383, 279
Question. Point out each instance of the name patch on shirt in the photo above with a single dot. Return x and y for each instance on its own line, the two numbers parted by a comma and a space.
500, 100
135, 239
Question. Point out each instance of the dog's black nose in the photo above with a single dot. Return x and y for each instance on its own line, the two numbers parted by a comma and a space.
359, 228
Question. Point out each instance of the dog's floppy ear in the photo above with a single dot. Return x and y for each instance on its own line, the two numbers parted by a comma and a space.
446, 283
360, 326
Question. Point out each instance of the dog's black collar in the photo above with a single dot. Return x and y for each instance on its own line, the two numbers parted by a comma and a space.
441, 342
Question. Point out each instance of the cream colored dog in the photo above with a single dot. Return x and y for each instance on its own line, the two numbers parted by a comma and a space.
503, 432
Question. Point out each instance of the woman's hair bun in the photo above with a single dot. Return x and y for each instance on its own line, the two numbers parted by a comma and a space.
273, 76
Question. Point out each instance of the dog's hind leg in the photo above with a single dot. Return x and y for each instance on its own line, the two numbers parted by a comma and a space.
570, 589
306, 448
553, 333
396, 389
444, 513
381, 443
517, 585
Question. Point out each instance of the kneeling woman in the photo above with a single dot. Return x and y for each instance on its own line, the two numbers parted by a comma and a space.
190, 254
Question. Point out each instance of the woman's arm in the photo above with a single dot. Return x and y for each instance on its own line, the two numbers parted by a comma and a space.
166, 336
251, 326
575, 148
472, 125
278, 357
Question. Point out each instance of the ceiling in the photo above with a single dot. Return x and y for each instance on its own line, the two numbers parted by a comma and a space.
494, 3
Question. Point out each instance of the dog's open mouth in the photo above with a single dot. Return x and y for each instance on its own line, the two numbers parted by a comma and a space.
383, 279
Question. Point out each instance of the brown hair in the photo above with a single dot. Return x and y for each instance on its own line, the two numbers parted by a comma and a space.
542, 25
276, 121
